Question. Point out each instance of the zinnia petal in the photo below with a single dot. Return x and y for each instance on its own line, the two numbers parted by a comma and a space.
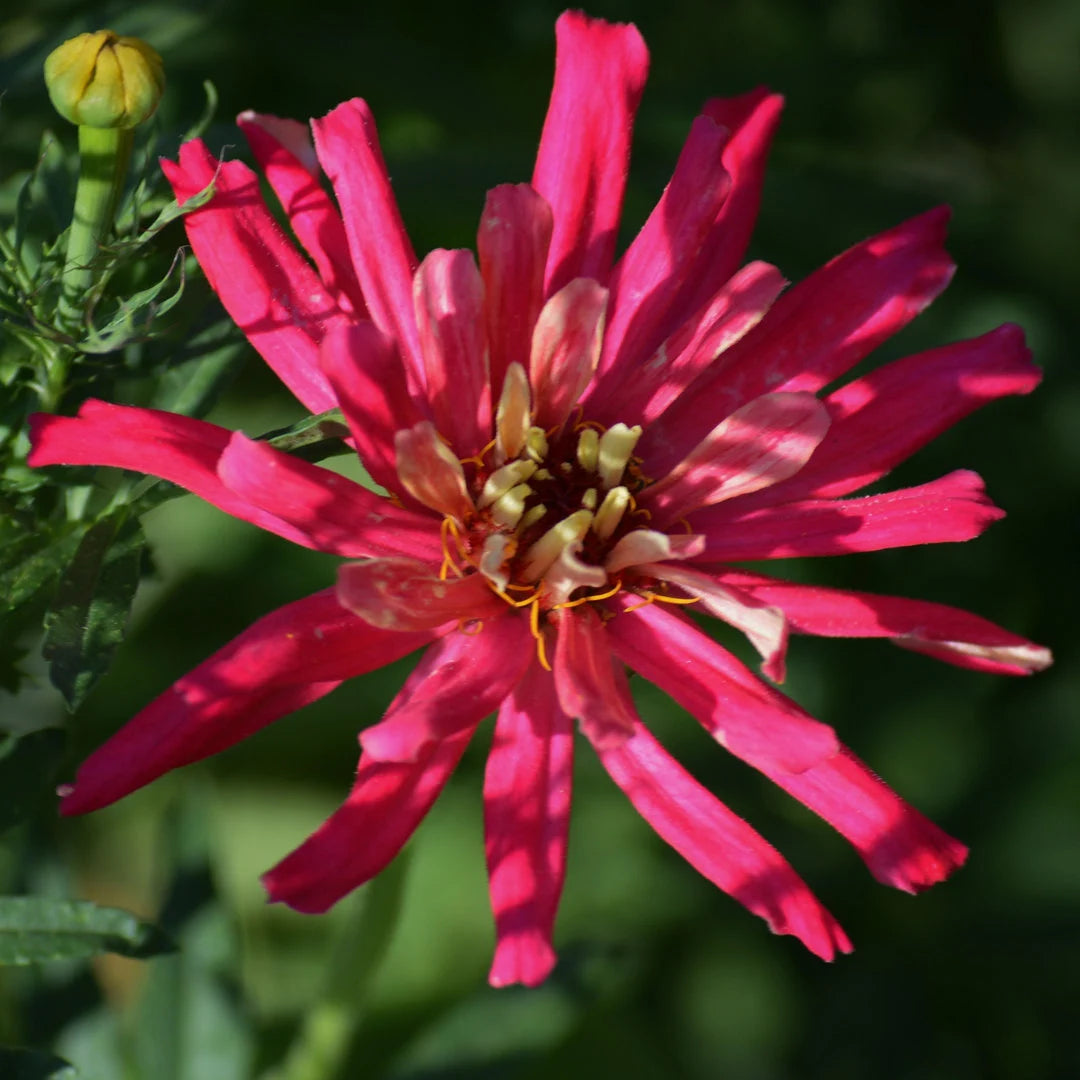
267, 287
719, 844
387, 802
286, 660
946, 633
584, 151
951, 509
753, 721
527, 786
459, 680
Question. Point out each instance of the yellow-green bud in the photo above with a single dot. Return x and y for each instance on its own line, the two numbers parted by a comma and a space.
102, 80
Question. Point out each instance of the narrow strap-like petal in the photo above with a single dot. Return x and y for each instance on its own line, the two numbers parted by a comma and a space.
527, 785
753, 721
448, 294
882, 418
285, 153
334, 513
387, 802
762, 443
949, 510
719, 844
901, 847
267, 287
347, 143
365, 370
946, 633
763, 622
512, 244
815, 332
644, 394
651, 273
176, 448
587, 678
565, 349
752, 119
584, 154
287, 659
403, 594
459, 680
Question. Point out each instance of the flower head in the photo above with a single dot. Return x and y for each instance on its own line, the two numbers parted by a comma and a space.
577, 448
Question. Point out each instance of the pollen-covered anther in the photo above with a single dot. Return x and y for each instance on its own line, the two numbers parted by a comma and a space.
508, 508
611, 512
547, 549
503, 479
536, 444
589, 499
588, 449
614, 450
513, 415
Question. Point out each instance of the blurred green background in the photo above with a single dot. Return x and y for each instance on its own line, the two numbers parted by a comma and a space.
892, 108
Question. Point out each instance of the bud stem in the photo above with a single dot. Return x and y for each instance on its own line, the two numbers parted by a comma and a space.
104, 154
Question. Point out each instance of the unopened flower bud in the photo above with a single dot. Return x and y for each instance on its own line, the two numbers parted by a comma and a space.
102, 80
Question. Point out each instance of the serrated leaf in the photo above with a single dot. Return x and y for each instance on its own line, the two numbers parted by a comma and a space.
28, 768
21, 583
135, 315
89, 612
34, 929
17, 1063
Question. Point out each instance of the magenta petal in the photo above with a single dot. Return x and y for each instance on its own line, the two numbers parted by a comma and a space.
664, 253
881, 419
752, 120
403, 594
814, 332
900, 846
449, 297
695, 344
588, 679
584, 153
719, 844
387, 802
760, 444
527, 785
347, 143
565, 349
287, 659
512, 244
943, 632
334, 514
752, 720
285, 153
949, 510
458, 681
176, 448
365, 370
267, 287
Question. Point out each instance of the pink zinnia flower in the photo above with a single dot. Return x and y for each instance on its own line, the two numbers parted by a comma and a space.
576, 448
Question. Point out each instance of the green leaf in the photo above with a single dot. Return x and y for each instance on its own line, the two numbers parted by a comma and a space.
313, 438
19, 1064
34, 929
192, 386
28, 768
23, 582
89, 612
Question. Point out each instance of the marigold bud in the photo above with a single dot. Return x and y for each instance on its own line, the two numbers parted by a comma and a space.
102, 80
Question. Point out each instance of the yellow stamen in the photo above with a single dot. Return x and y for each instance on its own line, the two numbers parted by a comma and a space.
588, 449
588, 500
546, 550
508, 507
611, 512
503, 479
616, 446
589, 599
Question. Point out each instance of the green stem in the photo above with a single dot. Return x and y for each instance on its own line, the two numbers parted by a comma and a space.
326, 1033
104, 154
